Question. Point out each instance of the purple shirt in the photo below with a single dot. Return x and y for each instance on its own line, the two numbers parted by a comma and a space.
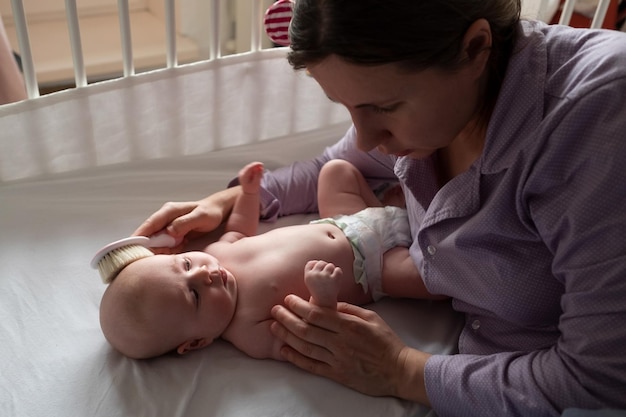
530, 242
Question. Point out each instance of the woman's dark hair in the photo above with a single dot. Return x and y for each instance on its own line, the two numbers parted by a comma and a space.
415, 34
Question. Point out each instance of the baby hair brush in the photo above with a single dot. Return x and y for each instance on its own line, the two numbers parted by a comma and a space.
115, 256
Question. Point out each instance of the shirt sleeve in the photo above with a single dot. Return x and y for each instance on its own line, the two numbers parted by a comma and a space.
576, 194
293, 189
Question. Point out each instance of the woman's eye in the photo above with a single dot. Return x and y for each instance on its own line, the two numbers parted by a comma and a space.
386, 109
187, 264
383, 109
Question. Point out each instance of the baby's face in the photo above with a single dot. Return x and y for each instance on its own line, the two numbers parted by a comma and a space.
191, 291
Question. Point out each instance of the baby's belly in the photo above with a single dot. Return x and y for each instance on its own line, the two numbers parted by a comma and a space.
285, 251
314, 242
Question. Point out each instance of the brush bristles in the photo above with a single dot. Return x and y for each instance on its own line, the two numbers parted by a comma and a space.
117, 259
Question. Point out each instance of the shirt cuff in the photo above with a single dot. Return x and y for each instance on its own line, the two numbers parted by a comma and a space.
433, 381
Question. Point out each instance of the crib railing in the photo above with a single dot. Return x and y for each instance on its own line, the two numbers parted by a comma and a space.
71, 16
30, 76
598, 18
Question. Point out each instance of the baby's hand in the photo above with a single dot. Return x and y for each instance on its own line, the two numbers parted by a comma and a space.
250, 177
323, 280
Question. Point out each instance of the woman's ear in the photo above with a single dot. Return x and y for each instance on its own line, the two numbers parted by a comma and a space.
192, 344
477, 44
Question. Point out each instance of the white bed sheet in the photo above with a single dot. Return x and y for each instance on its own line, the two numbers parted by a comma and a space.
64, 196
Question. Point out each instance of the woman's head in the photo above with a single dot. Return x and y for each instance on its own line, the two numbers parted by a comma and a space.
417, 34
416, 75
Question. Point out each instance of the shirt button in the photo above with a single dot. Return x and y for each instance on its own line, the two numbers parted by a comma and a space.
476, 324
431, 249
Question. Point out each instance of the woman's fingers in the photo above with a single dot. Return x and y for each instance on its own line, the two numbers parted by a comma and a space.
163, 217
350, 345
351, 309
200, 219
181, 218
321, 326
320, 317
323, 334
300, 336
299, 351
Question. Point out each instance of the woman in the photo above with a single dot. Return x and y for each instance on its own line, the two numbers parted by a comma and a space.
507, 139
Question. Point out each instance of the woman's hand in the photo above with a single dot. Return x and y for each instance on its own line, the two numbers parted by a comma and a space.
180, 219
352, 346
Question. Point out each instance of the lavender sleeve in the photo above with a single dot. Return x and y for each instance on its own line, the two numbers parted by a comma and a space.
293, 189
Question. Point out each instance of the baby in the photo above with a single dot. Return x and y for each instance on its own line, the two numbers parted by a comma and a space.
185, 301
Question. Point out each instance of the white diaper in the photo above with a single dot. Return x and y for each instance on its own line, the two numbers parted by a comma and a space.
372, 232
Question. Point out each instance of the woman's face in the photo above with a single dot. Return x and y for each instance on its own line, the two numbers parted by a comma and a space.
399, 112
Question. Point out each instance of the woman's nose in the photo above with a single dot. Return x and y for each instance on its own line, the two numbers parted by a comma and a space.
369, 139
369, 136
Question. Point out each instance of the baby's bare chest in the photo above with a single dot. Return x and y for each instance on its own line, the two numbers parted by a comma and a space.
270, 266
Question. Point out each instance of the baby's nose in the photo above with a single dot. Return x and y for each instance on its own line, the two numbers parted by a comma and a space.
214, 274
207, 274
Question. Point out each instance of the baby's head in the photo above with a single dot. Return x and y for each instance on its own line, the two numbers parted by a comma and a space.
164, 303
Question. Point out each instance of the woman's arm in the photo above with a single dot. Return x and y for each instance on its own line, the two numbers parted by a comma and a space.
293, 189
287, 190
401, 278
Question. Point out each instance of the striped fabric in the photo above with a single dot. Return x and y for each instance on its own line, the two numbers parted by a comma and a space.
277, 18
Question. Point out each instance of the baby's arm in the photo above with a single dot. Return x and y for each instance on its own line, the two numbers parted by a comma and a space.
323, 280
401, 278
244, 218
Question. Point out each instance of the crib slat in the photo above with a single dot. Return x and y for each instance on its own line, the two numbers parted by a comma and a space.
598, 17
566, 14
75, 42
127, 49
170, 33
215, 50
30, 79
255, 27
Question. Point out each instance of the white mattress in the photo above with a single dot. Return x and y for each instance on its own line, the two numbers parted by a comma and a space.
83, 168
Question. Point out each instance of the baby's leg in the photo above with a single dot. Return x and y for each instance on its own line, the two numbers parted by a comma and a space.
323, 280
343, 190
394, 196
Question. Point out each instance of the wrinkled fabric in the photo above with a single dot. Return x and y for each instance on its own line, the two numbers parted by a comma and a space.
372, 232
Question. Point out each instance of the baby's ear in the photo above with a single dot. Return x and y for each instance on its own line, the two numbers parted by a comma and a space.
192, 344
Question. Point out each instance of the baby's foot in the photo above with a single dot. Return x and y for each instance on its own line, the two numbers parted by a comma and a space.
250, 177
323, 280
